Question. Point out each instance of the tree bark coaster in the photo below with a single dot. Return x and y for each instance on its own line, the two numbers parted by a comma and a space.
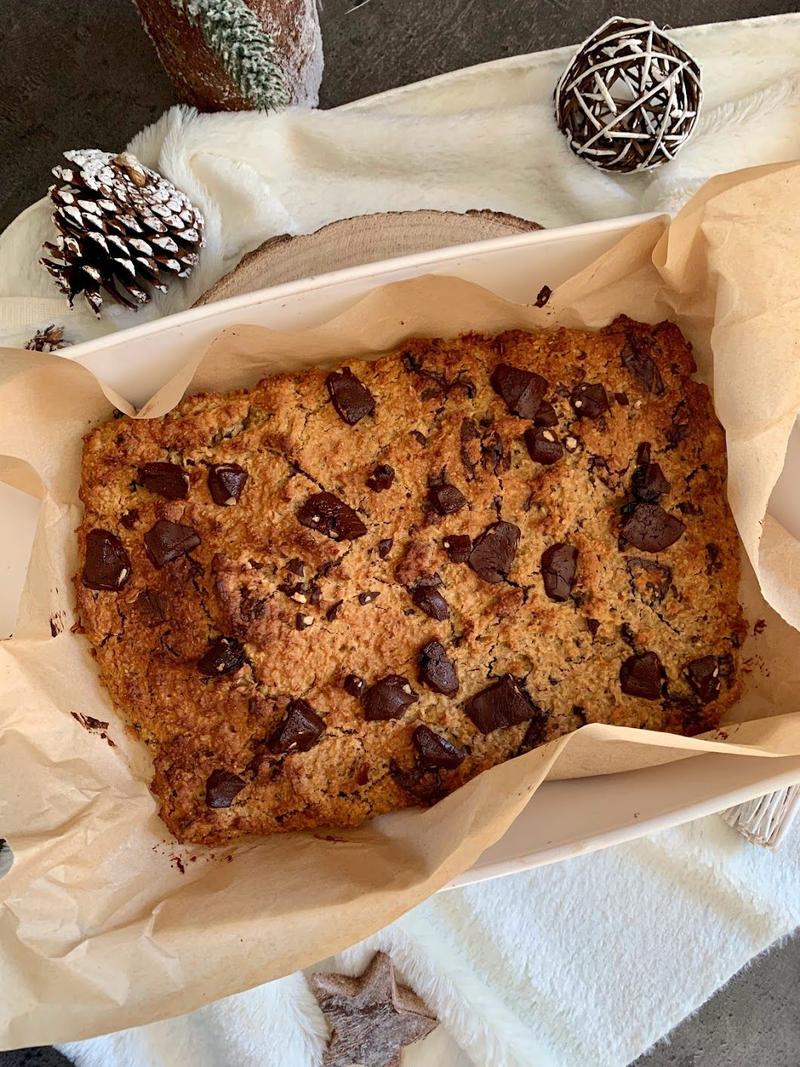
372, 1018
363, 239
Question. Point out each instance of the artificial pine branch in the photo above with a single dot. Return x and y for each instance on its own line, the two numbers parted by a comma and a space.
244, 48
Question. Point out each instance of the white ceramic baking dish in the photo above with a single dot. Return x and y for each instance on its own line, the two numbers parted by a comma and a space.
564, 818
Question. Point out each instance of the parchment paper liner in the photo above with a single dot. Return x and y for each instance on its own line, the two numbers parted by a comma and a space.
99, 929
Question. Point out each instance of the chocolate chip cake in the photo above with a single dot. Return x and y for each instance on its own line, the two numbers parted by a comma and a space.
347, 591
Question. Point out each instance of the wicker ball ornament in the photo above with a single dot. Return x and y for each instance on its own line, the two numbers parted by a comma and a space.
629, 99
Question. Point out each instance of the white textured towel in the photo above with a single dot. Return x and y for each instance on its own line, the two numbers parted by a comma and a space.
592, 960
582, 964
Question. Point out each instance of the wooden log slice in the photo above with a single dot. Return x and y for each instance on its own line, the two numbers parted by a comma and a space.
363, 239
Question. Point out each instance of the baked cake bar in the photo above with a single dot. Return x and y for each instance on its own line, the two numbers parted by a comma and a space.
346, 591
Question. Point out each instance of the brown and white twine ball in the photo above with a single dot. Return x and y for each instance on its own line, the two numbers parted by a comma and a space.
629, 98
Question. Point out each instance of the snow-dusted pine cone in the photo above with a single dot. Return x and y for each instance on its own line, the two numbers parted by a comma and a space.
124, 230
50, 339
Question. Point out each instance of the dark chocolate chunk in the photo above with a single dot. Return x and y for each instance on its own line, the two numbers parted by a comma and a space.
546, 415
152, 605
684, 715
703, 675
222, 788
651, 529
493, 552
650, 581
522, 390
421, 782
641, 676
714, 563
579, 713
299, 731
648, 483
727, 668
368, 597
627, 634
294, 590
350, 397
675, 434
543, 296
303, 622
436, 670
446, 498
622, 399
593, 625
589, 400
643, 453
353, 684
296, 566
435, 750
130, 518
457, 547
107, 565
385, 546
543, 446
388, 698
536, 733
558, 570
430, 600
165, 479
381, 478
223, 656
167, 541
502, 704
420, 438
333, 611
329, 515
637, 360
226, 482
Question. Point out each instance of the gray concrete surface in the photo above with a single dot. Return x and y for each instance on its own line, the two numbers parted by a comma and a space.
82, 73
753, 1022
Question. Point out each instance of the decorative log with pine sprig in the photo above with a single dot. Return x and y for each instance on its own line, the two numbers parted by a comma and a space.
238, 55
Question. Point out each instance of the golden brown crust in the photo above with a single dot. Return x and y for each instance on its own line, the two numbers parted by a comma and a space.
436, 417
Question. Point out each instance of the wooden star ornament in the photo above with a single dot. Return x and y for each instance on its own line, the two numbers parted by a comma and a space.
372, 1018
